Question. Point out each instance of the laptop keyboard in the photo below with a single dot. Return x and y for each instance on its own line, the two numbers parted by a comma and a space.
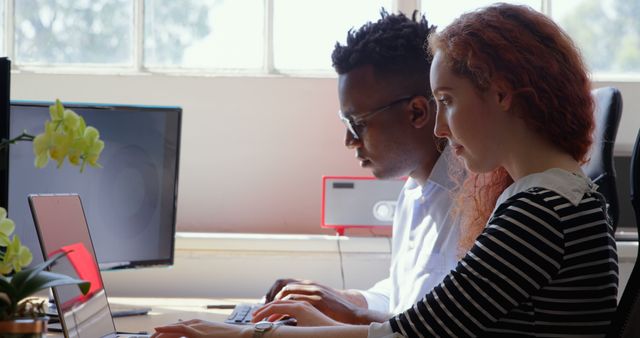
242, 313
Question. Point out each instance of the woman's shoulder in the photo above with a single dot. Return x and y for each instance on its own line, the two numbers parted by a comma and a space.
553, 208
550, 185
531, 210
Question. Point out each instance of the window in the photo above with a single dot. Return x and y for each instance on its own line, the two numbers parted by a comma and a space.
265, 36
2, 23
441, 16
305, 32
607, 32
204, 34
63, 32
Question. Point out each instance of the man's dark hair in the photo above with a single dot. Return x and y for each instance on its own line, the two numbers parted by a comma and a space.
394, 46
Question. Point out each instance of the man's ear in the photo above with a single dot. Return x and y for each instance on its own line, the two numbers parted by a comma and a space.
421, 112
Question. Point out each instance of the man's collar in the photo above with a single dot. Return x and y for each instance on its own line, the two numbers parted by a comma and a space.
440, 174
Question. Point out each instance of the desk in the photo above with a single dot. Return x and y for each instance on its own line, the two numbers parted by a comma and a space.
166, 311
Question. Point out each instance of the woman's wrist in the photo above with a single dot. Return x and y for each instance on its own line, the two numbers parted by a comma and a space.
265, 331
247, 331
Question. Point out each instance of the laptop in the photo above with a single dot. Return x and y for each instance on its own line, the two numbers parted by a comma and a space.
62, 227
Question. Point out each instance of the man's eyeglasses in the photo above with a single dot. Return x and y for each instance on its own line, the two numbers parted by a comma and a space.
355, 124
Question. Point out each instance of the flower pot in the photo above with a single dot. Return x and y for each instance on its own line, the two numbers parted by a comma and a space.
24, 328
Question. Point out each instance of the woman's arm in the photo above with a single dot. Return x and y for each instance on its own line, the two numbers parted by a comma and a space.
517, 253
347, 331
202, 329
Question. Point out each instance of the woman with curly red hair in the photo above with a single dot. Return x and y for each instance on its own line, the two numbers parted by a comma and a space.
514, 104
552, 88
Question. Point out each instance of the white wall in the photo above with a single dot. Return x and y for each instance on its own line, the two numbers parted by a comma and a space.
236, 266
253, 148
245, 266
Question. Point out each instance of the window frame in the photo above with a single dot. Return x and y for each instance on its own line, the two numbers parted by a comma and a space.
268, 68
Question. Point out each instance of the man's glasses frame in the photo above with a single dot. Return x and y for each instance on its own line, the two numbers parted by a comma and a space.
353, 124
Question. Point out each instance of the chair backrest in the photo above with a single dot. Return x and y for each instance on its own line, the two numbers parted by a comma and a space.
608, 109
627, 320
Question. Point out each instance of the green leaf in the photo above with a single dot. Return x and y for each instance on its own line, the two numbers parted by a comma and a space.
5, 311
23, 276
7, 287
47, 279
26, 282
8, 299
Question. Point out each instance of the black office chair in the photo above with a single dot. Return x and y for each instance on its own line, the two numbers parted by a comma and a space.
626, 322
608, 108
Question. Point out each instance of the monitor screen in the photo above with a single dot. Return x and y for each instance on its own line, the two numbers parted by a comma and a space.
130, 203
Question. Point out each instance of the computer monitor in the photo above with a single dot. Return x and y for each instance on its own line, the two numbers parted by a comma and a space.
5, 81
130, 202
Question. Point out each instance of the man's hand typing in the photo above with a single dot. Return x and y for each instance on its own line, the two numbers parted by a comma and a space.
346, 306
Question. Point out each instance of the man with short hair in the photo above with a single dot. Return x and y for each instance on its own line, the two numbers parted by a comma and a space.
387, 108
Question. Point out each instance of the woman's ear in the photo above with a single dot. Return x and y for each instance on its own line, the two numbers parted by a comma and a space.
504, 95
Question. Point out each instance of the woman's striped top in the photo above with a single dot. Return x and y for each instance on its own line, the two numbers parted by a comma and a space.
545, 266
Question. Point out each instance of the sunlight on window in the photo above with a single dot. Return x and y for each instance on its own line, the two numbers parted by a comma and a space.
229, 35
75, 32
215, 34
305, 32
607, 32
440, 15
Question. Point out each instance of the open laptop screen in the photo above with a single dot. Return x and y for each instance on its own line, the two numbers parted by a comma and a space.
62, 227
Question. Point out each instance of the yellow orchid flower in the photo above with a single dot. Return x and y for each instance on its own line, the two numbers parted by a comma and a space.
16, 255
42, 143
72, 123
67, 136
6, 225
94, 146
5, 268
6, 228
60, 147
56, 111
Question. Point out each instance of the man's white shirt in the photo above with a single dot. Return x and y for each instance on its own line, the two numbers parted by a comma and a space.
424, 242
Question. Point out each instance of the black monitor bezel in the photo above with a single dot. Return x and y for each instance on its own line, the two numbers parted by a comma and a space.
5, 90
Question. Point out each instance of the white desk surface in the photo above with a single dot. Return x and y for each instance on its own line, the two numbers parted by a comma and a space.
166, 311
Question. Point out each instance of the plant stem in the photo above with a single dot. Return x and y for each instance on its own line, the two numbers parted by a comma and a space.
4, 143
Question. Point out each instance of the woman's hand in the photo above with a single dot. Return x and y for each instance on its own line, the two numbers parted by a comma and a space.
304, 313
197, 328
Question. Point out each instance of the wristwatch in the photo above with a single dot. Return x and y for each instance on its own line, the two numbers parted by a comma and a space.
260, 328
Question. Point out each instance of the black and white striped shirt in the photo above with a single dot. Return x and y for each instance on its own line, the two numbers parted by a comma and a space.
545, 266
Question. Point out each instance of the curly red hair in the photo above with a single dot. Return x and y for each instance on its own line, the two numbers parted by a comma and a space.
527, 51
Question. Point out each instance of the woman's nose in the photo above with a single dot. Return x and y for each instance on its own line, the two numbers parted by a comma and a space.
441, 128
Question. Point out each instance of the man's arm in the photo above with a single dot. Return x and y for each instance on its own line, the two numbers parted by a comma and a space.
377, 296
346, 306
